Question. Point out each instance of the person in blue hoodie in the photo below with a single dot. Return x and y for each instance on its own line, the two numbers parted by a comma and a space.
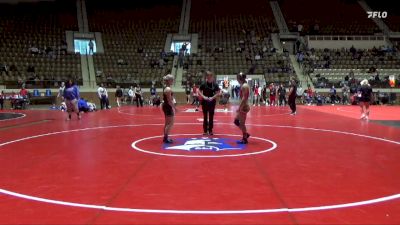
71, 96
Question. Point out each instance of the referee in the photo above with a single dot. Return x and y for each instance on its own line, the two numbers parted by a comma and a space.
208, 92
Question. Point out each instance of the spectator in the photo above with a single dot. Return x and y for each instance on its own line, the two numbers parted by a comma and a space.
298, 45
300, 28
61, 91
345, 94
353, 50
4, 68
161, 63
333, 95
256, 95
272, 94
34, 50
187, 92
23, 92
282, 95
122, 62
131, 94
156, 101
139, 96
48, 50
63, 48
2, 97
195, 96
264, 95
153, 92
163, 54
13, 68
91, 47
31, 70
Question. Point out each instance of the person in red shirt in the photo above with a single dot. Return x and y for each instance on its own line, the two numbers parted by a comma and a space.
310, 95
256, 92
23, 92
272, 94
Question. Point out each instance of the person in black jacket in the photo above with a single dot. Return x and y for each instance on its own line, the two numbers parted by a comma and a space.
292, 96
118, 95
208, 92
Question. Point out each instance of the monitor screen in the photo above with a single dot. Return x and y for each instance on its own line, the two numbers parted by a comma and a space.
83, 46
177, 45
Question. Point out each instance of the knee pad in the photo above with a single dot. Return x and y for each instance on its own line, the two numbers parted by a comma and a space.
236, 122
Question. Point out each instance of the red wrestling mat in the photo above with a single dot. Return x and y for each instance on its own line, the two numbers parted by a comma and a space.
377, 112
111, 168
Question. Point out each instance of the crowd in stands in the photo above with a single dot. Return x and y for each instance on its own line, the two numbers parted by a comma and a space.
133, 39
33, 48
335, 67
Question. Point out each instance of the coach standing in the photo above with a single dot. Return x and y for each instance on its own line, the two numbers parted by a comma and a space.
208, 92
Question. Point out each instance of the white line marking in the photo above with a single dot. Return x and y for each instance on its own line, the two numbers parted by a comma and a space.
167, 211
134, 145
193, 115
251, 211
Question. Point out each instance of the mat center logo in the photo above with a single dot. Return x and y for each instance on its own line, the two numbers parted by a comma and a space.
204, 144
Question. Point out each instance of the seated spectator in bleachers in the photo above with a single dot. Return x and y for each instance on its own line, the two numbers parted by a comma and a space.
31, 70
161, 63
122, 62
13, 68
48, 50
34, 50
110, 80
4, 68
63, 47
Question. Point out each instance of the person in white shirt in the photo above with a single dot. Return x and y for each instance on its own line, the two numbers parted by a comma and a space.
103, 96
61, 91
131, 94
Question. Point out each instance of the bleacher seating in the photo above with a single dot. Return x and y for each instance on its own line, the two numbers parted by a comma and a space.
126, 28
338, 17
41, 25
334, 65
224, 27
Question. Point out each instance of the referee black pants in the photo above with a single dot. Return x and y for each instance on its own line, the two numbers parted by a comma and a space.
208, 116
292, 104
